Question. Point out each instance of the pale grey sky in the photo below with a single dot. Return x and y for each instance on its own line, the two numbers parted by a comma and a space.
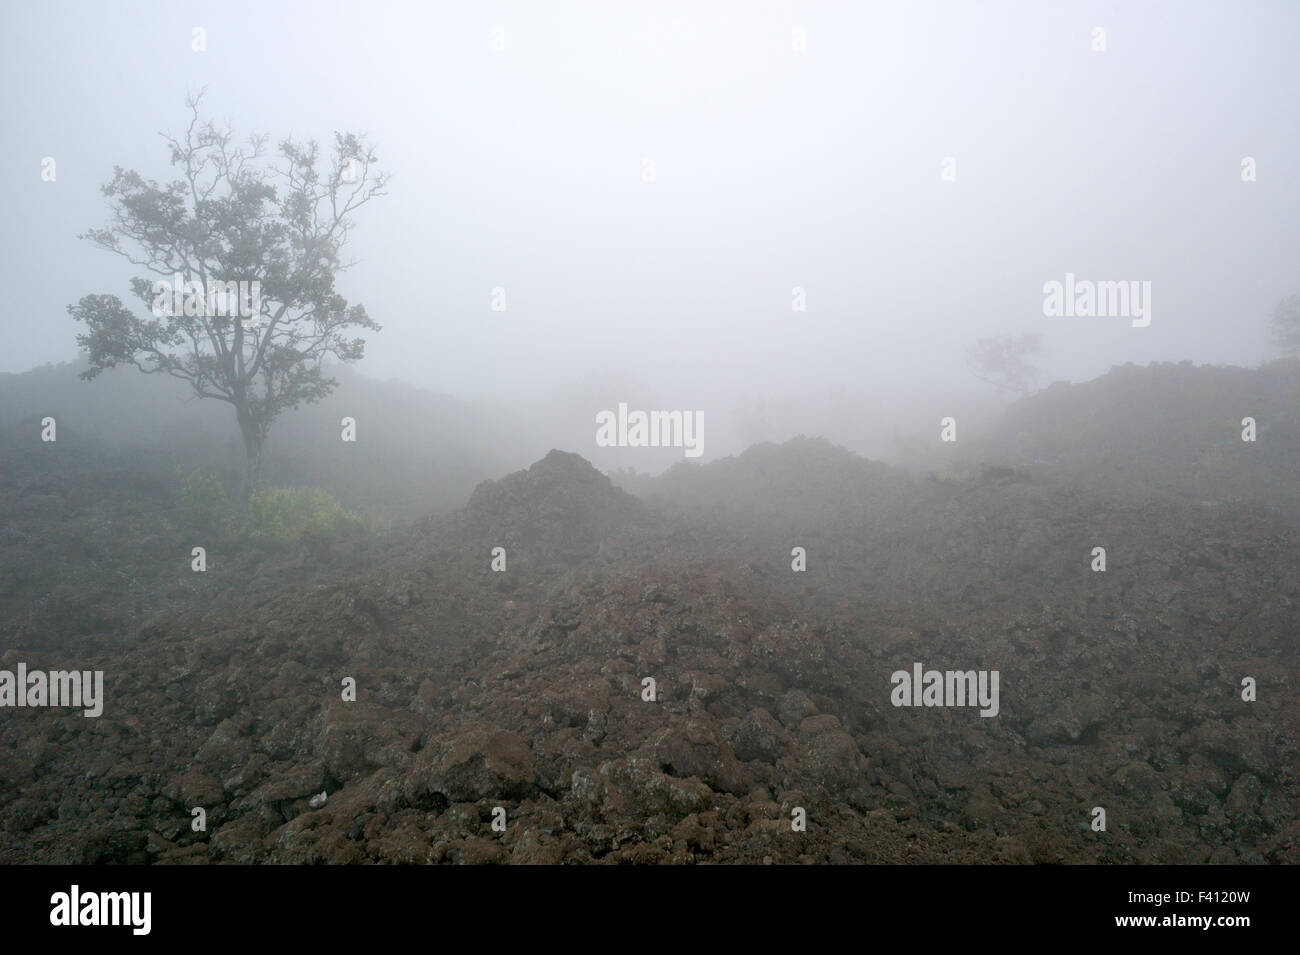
775, 168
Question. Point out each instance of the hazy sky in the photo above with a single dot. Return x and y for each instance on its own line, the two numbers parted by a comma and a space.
523, 168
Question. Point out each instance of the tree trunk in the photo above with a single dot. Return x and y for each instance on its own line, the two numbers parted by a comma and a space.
252, 436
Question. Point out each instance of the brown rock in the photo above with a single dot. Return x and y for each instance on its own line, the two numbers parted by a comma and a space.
761, 737
695, 747
477, 762
360, 737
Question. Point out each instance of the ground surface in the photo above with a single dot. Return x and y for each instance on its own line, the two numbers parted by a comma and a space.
523, 689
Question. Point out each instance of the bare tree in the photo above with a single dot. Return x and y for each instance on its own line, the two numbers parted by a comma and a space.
246, 252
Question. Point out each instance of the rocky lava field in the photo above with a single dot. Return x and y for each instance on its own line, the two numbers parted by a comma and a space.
523, 689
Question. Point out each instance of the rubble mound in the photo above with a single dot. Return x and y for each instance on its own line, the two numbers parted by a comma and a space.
561, 508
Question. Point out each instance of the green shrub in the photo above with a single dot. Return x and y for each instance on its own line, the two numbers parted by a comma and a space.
206, 495
286, 513
271, 513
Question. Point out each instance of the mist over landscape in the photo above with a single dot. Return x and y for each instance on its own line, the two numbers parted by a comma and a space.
774, 169
649, 433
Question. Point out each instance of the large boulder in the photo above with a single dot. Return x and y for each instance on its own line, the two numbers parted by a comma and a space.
360, 737
695, 747
476, 762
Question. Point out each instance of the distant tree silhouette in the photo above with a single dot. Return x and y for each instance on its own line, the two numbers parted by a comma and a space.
1002, 361
231, 217
1286, 325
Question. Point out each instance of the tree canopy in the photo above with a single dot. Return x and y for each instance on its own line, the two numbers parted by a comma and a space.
1286, 325
243, 253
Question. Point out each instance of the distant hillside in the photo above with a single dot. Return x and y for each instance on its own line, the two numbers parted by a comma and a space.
1135, 434
416, 452
1141, 433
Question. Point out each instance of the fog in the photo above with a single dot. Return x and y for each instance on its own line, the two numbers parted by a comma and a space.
789, 146
785, 434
